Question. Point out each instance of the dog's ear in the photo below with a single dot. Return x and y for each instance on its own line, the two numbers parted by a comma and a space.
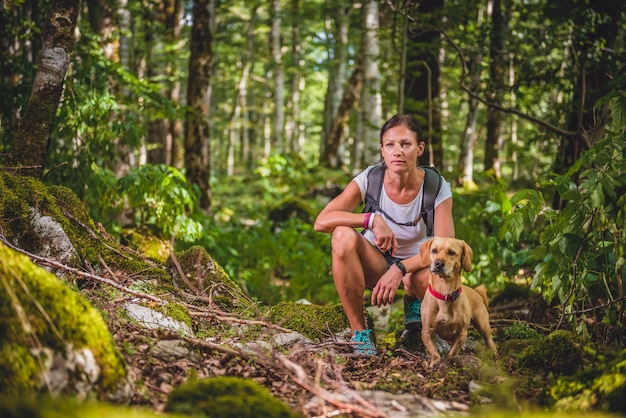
425, 253
466, 257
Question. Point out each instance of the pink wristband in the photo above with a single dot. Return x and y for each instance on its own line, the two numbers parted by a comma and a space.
366, 221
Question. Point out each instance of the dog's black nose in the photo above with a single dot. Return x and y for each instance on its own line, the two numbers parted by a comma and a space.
438, 265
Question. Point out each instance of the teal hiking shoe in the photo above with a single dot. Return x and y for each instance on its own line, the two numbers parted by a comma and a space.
363, 343
412, 314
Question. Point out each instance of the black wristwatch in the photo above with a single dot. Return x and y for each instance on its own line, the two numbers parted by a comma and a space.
399, 264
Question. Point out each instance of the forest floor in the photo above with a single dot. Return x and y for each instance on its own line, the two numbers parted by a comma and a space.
325, 379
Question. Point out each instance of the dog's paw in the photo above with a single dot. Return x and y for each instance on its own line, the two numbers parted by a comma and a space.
433, 362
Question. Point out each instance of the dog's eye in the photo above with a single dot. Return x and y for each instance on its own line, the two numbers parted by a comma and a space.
434, 251
451, 253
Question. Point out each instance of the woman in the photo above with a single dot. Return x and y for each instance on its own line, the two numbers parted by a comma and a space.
375, 259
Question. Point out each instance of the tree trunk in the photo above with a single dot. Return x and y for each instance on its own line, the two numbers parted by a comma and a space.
422, 84
370, 103
497, 75
34, 130
278, 122
337, 131
162, 133
197, 141
19, 51
466, 155
294, 131
337, 75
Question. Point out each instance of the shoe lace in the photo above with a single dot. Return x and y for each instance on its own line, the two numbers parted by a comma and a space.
362, 336
364, 340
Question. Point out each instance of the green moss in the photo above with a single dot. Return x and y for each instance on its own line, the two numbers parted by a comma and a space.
226, 397
49, 313
560, 352
313, 321
146, 243
176, 311
601, 387
29, 407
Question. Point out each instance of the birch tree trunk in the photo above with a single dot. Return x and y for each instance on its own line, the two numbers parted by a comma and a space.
197, 140
33, 135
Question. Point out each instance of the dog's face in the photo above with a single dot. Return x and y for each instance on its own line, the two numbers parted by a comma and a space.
447, 255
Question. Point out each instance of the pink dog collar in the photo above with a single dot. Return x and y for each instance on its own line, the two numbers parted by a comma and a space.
450, 297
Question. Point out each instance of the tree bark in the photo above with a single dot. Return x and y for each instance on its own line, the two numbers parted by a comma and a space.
278, 122
337, 131
337, 76
33, 135
197, 140
370, 102
497, 75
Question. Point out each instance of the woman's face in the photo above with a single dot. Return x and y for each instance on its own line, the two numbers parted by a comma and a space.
400, 149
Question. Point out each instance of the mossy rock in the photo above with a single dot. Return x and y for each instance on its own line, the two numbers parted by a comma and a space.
560, 353
20, 196
313, 321
46, 326
226, 397
206, 275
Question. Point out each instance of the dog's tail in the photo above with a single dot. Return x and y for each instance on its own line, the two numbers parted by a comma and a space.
482, 291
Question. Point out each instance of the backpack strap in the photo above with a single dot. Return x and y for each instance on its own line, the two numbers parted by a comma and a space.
432, 184
374, 189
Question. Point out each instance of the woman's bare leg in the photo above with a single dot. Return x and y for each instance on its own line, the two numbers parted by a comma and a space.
356, 264
415, 284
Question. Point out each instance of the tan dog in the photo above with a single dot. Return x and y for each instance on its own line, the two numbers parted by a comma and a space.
449, 306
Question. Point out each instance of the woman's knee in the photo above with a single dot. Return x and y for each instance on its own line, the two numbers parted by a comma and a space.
344, 240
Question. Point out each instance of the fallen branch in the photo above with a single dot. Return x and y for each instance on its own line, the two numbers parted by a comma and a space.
299, 375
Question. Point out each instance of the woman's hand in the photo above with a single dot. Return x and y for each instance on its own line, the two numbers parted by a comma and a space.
385, 290
384, 238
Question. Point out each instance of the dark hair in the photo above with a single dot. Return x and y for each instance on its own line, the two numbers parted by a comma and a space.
402, 120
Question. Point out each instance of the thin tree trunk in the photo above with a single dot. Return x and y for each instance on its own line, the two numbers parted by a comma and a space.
337, 132
33, 135
197, 140
370, 103
278, 122
497, 75
337, 76
294, 133
466, 156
